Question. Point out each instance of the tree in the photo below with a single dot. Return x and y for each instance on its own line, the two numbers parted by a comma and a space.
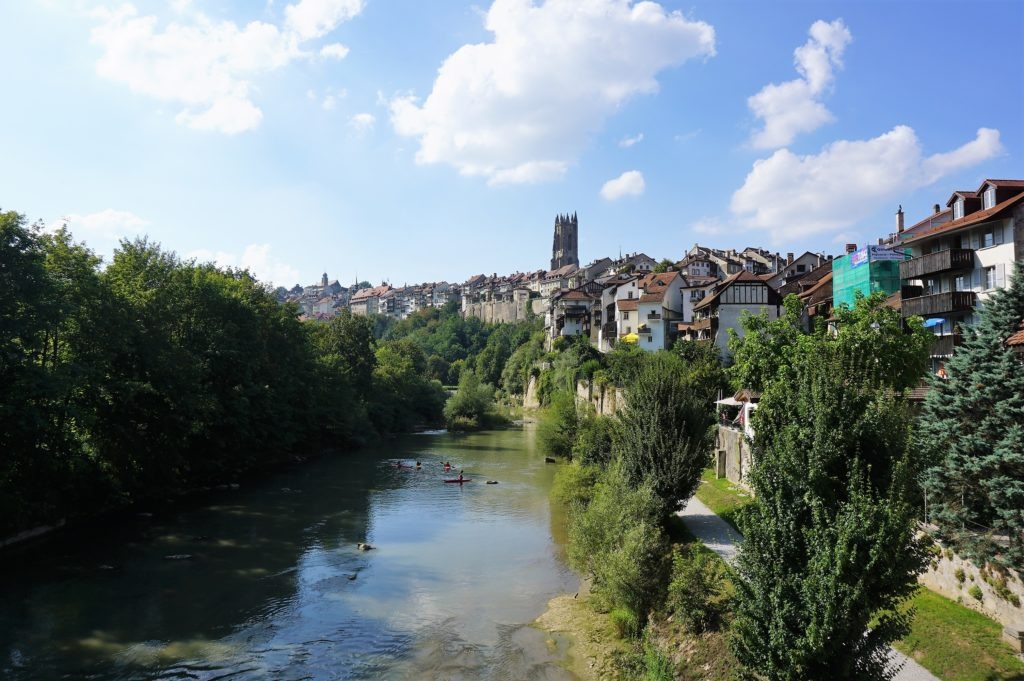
664, 434
972, 427
665, 265
472, 405
766, 345
829, 540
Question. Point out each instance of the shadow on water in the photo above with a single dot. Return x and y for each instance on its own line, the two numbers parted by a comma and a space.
267, 580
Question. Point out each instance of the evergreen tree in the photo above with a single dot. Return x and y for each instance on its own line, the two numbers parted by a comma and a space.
972, 425
829, 541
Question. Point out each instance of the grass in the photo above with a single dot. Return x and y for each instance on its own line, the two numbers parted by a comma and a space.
958, 644
723, 497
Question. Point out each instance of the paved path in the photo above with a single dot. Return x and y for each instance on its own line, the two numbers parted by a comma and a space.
720, 537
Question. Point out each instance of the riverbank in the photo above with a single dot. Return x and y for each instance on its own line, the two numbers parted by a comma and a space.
594, 648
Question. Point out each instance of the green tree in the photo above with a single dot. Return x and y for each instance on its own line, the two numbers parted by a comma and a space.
766, 345
829, 540
558, 426
664, 434
972, 427
664, 265
472, 405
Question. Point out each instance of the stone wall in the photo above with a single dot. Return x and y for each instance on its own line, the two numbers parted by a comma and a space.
732, 455
494, 312
606, 399
530, 399
1002, 595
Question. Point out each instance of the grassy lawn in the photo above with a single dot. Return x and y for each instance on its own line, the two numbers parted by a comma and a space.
722, 496
958, 644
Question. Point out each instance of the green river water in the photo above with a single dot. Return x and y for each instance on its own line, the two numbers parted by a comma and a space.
267, 590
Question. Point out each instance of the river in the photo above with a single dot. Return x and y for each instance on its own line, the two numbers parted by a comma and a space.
266, 581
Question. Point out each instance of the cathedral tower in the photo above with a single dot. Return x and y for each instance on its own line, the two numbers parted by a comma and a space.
563, 247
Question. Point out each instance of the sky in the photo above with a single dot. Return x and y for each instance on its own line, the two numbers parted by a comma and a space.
409, 141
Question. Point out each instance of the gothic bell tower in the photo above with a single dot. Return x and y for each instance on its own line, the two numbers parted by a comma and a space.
563, 246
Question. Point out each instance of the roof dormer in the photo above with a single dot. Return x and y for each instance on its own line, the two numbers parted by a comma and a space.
992, 192
964, 203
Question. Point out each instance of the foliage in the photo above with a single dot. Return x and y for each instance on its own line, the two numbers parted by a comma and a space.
657, 665
556, 432
897, 348
626, 622
696, 591
975, 592
664, 434
617, 540
472, 405
574, 484
516, 374
624, 363
594, 438
830, 536
972, 428
664, 265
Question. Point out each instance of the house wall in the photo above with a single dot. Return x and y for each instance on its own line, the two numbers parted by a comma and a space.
729, 318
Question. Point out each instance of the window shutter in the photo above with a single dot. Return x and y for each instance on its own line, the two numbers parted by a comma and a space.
1000, 275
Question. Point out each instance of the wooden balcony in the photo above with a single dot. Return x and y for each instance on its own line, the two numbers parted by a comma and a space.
610, 330
939, 303
945, 345
654, 316
933, 263
707, 323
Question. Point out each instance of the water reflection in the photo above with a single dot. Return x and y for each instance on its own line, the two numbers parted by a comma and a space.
267, 582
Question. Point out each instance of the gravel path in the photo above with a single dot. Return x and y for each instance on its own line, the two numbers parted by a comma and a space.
720, 537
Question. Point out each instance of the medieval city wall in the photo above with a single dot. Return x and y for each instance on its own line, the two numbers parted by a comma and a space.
493, 312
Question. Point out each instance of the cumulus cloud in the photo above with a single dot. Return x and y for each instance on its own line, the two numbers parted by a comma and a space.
795, 196
629, 183
256, 258
710, 226
522, 107
793, 107
106, 226
334, 51
362, 123
208, 66
627, 142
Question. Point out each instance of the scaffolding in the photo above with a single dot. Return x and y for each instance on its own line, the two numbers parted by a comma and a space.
871, 269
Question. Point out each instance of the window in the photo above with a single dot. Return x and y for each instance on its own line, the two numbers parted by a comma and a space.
801, 268
990, 277
629, 295
987, 238
958, 209
990, 197
649, 339
625, 315
961, 283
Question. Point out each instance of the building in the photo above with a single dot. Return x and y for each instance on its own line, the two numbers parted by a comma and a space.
743, 292
957, 263
564, 244
570, 311
659, 309
366, 301
866, 271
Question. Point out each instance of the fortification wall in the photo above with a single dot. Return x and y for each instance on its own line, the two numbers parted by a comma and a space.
494, 312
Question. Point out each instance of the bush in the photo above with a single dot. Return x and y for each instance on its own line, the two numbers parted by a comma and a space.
574, 485
625, 621
593, 443
618, 541
657, 665
472, 405
975, 592
696, 592
557, 430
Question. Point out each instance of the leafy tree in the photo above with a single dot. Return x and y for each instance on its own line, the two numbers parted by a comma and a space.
664, 265
972, 427
829, 540
472, 405
559, 424
766, 346
664, 434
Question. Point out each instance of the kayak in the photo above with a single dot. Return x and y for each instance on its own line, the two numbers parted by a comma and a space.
457, 480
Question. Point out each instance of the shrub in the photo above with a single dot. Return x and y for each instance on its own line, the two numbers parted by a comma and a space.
557, 430
960, 577
574, 485
975, 592
625, 621
696, 592
472, 404
657, 665
594, 440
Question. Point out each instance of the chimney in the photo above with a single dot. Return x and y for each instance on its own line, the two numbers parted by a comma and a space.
936, 208
881, 241
899, 220
830, 257
789, 258
850, 248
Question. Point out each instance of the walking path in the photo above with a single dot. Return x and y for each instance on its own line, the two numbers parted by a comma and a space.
720, 537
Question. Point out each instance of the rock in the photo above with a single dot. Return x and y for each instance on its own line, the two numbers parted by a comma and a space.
492, 482
234, 485
106, 567
179, 556
145, 515
549, 459
351, 577
364, 547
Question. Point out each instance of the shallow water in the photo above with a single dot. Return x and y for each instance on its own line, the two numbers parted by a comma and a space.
266, 581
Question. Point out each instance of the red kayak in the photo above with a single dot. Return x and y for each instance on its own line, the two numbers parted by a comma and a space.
457, 480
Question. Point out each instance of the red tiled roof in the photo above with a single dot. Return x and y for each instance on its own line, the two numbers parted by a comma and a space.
929, 221
1016, 339
627, 304
1000, 183
375, 292
967, 220
655, 297
967, 194
820, 292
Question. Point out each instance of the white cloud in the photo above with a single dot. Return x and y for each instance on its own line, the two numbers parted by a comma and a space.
687, 136
522, 107
205, 65
794, 196
710, 226
790, 108
629, 183
256, 258
362, 123
315, 18
627, 142
107, 225
334, 51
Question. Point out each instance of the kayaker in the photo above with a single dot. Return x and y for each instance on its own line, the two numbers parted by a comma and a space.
460, 476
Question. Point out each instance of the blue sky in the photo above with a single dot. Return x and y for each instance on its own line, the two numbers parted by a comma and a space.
411, 141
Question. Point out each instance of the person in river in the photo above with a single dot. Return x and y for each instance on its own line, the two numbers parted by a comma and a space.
447, 466
460, 476
418, 465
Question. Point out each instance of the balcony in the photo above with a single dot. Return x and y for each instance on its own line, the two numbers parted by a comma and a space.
939, 303
655, 316
707, 323
610, 330
933, 263
945, 345
644, 331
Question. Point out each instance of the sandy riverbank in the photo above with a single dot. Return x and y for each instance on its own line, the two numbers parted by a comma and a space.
593, 641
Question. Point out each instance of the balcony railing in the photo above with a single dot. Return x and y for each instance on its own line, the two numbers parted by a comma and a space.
610, 329
654, 315
702, 324
943, 261
939, 303
945, 345
644, 330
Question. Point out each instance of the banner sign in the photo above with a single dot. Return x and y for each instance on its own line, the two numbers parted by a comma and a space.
876, 254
